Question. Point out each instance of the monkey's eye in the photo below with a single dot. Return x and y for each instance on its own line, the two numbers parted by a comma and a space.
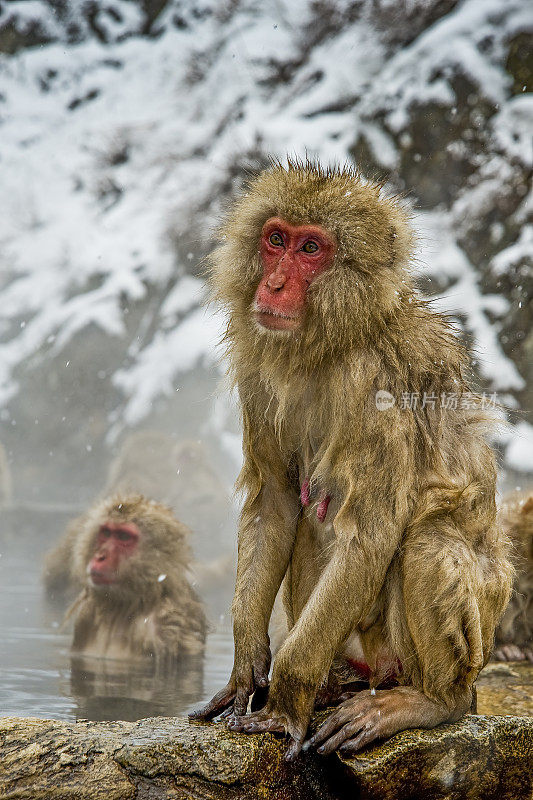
310, 247
276, 239
124, 536
105, 532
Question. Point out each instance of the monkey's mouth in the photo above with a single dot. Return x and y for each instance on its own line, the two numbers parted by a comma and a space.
101, 578
275, 320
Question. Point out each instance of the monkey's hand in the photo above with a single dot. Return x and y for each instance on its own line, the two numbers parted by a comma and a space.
250, 673
372, 715
512, 652
288, 711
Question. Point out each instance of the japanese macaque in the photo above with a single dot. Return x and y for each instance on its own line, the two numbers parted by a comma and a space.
131, 555
514, 634
377, 515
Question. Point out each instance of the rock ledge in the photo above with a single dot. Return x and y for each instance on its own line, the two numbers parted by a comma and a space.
480, 757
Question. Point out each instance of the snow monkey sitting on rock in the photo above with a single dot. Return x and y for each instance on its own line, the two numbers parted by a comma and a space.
131, 556
378, 517
514, 634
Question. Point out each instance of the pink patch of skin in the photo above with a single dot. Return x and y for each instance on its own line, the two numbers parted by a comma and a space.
386, 674
305, 499
322, 509
362, 669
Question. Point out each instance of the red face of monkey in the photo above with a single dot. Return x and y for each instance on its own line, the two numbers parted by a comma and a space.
116, 542
292, 257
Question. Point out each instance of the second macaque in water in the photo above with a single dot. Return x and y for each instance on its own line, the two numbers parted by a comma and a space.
374, 506
131, 556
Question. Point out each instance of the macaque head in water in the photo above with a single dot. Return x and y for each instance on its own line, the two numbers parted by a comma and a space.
130, 548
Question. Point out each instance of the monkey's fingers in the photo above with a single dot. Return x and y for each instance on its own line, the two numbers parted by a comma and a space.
220, 702
295, 747
237, 722
269, 725
368, 734
351, 731
244, 691
332, 725
257, 722
261, 669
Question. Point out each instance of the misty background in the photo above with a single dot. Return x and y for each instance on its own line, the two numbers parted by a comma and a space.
126, 126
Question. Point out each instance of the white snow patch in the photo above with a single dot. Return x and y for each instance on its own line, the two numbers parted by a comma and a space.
106, 149
519, 453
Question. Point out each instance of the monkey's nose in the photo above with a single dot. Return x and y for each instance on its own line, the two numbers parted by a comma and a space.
276, 281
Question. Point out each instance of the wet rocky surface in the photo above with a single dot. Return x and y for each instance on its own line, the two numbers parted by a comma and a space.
481, 757
506, 688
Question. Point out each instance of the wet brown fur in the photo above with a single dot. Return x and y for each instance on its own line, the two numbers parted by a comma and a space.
140, 615
516, 626
416, 562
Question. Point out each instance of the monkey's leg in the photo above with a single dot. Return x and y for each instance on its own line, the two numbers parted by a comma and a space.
266, 537
451, 599
309, 559
346, 591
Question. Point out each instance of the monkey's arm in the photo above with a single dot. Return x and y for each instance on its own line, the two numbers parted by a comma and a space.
364, 547
266, 537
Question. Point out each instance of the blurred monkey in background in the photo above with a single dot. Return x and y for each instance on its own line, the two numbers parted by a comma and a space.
514, 634
131, 557
179, 475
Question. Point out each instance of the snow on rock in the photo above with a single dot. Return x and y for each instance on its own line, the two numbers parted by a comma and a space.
167, 355
123, 134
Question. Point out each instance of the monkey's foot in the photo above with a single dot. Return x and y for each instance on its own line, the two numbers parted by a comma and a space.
372, 715
513, 652
271, 721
